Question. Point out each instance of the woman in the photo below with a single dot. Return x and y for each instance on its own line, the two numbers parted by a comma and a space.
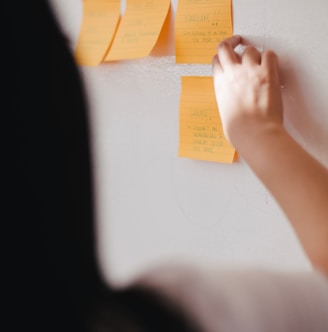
51, 203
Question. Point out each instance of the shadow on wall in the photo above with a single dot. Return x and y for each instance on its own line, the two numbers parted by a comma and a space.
306, 116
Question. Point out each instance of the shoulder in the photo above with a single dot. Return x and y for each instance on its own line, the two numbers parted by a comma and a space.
246, 299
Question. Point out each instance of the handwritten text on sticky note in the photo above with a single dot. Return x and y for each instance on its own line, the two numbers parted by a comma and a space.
201, 134
99, 23
139, 29
199, 26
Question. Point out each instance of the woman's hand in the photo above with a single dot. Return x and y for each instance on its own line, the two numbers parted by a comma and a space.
249, 98
247, 90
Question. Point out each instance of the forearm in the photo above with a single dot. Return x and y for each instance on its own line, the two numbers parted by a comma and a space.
299, 184
248, 93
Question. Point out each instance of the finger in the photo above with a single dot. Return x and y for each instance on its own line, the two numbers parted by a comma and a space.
226, 53
216, 66
251, 56
270, 62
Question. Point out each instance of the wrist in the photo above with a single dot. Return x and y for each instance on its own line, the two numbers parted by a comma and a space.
257, 137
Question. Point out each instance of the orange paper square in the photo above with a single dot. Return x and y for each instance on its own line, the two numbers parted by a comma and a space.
201, 134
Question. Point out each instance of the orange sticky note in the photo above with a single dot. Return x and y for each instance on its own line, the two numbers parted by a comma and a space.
99, 23
199, 26
139, 29
201, 134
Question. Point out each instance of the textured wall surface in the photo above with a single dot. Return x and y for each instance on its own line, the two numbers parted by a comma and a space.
153, 207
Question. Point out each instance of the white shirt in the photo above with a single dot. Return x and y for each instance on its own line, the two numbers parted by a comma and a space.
250, 300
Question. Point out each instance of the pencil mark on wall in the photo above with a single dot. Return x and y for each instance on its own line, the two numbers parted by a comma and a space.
200, 198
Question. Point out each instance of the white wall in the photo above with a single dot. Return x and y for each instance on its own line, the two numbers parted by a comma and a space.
154, 207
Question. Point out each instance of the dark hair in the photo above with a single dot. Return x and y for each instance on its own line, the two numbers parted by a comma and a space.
137, 309
50, 194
